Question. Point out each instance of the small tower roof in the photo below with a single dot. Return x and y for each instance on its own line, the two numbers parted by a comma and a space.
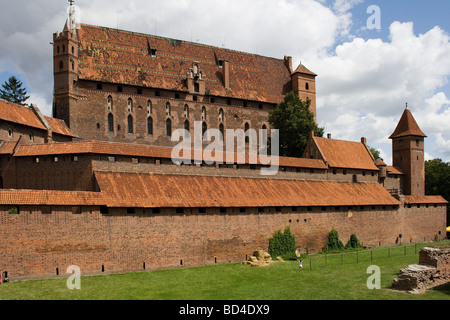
407, 126
302, 69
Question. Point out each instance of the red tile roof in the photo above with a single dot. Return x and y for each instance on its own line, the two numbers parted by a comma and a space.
407, 126
118, 56
19, 114
50, 198
394, 170
115, 148
148, 190
25, 116
302, 69
345, 154
7, 147
425, 200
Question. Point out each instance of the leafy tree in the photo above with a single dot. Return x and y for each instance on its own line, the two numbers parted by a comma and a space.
375, 153
295, 122
282, 244
333, 242
13, 92
437, 178
353, 242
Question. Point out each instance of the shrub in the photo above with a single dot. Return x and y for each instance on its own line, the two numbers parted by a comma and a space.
333, 242
353, 242
282, 244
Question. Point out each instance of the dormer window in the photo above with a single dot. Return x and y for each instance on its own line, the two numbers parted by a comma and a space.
130, 105
153, 53
220, 63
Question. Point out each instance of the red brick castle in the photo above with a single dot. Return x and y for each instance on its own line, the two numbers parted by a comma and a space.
95, 185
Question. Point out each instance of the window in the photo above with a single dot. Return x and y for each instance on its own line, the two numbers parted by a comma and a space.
264, 133
130, 124
110, 103
186, 127
220, 115
203, 113
222, 130
204, 128
149, 107
168, 109
61, 65
110, 122
31, 136
99, 86
10, 132
150, 126
186, 111
196, 87
130, 105
246, 128
168, 128
417, 142
307, 86
119, 89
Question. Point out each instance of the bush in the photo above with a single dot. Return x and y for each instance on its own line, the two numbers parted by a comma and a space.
282, 244
353, 242
333, 242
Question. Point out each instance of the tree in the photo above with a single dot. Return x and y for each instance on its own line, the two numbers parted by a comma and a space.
375, 153
353, 242
295, 122
437, 178
282, 244
13, 92
333, 242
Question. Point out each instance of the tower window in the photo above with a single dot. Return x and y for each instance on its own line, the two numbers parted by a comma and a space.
149, 107
186, 126
168, 128
186, 111
110, 103
61, 65
168, 109
150, 126
130, 105
220, 115
203, 113
110, 122
196, 87
130, 124
307, 86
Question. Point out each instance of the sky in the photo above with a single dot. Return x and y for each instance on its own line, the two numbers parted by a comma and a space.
372, 57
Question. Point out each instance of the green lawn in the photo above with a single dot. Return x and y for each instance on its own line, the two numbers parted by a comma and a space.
334, 278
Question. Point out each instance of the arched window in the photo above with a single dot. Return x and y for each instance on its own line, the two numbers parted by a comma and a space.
149, 107
204, 128
10, 132
220, 115
61, 65
130, 105
130, 124
307, 86
168, 111
110, 122
246, 128
264, 128
110, 103
203, 113
31, 136
186, 111
186, 127
168, 128
150, 126
222, 130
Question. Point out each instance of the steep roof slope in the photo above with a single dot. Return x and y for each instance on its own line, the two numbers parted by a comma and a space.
407, 126
118, 56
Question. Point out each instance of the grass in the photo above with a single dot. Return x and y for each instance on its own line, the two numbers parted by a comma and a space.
336, 277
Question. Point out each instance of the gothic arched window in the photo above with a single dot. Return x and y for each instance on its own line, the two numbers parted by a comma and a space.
130, 124
150, 125
110, 122
168, 128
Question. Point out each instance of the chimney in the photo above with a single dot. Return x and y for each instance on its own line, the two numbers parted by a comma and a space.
226, 74
329, 136
37, 112
288, 63
364, 141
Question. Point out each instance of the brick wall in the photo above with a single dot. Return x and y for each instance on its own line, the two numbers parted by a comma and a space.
39, 240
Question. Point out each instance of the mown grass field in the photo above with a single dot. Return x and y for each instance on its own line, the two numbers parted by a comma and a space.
336, 277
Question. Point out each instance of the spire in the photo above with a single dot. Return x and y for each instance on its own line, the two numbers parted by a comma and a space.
407, 126
72, 21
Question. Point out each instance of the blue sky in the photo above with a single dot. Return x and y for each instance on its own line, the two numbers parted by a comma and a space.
365, 76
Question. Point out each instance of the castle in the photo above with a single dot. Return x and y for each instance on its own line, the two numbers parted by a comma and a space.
95, 185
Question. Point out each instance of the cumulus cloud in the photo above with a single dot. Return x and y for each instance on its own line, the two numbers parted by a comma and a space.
364, 85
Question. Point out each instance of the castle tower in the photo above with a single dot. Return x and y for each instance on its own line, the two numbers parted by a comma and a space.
65, 67
304, 86
408, 153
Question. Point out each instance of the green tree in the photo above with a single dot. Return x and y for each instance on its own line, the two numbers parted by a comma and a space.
353, 242
295, 122
437, 178
375, 153
13, 92
333, 242
282, 244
